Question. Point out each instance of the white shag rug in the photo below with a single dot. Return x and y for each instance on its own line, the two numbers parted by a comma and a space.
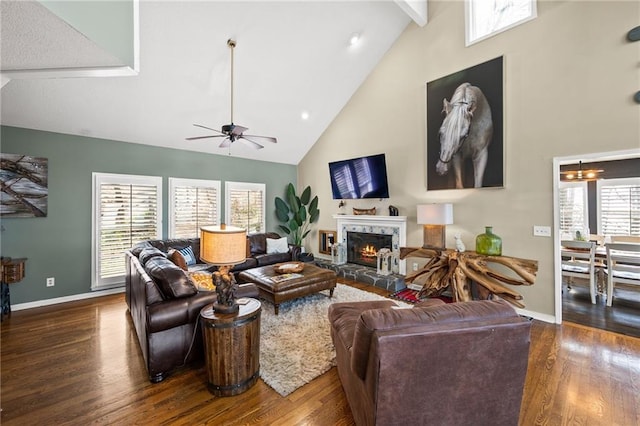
295, 345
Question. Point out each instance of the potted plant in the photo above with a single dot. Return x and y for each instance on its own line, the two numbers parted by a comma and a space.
297, 213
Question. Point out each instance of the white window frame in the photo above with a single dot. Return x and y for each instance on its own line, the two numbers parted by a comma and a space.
195, 183
477, 15
97, 180
582, 185
611, 182
244, 186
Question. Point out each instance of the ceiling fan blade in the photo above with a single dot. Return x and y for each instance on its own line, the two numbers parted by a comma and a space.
204, 137
225, 143
237, 130
251, 143
262, 138
208, 128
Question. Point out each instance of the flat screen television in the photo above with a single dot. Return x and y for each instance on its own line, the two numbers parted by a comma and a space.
363, 177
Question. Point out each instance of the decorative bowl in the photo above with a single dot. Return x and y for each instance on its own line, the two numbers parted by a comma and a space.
288, 267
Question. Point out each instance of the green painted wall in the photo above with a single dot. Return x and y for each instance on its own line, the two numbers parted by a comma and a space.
59, 245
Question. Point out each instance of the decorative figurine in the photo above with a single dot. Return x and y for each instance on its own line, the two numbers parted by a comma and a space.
226, 287
459, 244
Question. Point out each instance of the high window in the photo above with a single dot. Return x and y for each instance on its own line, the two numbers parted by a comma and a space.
193, 203
619, 206
245, 205
126, 210
574, 214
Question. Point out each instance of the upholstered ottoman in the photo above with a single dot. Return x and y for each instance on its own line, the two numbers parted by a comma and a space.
312, 280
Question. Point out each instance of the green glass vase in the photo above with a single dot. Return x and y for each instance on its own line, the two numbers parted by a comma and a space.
489, 243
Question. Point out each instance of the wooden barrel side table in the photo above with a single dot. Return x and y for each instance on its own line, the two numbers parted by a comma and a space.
232, 347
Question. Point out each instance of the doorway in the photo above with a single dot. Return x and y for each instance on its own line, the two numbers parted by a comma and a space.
575, 306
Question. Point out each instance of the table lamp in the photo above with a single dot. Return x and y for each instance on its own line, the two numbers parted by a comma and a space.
223, 246
435, 217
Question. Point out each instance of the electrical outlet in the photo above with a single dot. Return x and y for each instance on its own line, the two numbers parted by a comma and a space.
51, 282
415, 266
541, 231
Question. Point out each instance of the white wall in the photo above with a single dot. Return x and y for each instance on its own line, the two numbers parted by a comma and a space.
570, 75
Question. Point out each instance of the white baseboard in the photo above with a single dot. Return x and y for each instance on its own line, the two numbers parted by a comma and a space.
55, 301
537, 315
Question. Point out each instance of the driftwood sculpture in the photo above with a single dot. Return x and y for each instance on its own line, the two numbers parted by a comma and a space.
469, 276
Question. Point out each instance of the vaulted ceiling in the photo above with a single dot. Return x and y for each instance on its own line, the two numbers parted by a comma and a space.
291, 58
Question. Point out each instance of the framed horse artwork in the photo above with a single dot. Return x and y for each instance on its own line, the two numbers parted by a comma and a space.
464, 146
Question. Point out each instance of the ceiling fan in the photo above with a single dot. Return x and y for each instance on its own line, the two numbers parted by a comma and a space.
232, 132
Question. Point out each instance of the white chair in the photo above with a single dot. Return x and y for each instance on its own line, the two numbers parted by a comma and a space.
623, 267
578, 261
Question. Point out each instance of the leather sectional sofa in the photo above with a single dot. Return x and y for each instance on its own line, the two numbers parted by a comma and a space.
433, 364
165, 305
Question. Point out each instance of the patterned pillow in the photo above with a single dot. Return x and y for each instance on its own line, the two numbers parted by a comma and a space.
188, 255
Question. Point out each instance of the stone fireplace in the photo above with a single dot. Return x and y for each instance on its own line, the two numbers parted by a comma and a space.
392, 230
362, 247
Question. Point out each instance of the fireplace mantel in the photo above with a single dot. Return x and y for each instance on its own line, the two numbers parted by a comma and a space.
390, 225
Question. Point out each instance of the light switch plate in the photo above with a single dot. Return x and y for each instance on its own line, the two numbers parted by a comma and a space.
541, 231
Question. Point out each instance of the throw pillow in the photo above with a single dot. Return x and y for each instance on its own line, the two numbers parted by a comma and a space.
149, 253
279, 245
172, 281
176, 257
188, 255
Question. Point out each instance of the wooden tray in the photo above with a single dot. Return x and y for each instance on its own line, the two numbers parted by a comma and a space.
288, 267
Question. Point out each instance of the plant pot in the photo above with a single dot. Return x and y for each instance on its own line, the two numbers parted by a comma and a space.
306, 257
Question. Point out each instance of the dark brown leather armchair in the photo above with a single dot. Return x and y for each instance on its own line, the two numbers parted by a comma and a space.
433, 364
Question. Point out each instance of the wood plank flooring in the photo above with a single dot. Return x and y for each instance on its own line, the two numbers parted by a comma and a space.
79, 363
622, 317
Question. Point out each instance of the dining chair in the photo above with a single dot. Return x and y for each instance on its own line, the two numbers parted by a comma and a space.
578, 261
623, 267
625, 239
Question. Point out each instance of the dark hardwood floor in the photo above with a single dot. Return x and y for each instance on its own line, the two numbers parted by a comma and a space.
622, 317
79, 363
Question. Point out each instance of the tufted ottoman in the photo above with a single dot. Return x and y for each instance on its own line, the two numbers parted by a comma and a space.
312, 280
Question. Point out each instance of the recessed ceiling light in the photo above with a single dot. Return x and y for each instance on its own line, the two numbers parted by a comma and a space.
305, 115
354, 39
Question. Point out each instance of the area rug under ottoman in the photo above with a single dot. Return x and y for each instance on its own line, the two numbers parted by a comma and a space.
295, 345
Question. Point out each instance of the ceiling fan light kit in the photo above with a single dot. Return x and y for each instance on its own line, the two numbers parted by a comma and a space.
581, 174
232, 132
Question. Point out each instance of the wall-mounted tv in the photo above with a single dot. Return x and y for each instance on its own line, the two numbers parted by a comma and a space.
363, 177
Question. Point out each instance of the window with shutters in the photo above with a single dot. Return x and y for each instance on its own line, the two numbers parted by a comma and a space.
126, 210
619, 206
574, 214
244, 205
193, 203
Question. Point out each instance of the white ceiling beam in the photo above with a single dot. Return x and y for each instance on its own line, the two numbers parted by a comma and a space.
416, 9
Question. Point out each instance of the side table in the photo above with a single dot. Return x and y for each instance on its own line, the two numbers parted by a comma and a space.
232, 347
12, 272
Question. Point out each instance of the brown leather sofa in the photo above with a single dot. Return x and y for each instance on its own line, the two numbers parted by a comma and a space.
165, 305
433, 364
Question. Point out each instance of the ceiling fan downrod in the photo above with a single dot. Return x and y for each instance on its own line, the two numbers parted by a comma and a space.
232, 44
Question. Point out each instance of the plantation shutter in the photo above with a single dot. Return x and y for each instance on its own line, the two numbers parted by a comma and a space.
573, 208
126, 212
194, 203
245, 206
619, 205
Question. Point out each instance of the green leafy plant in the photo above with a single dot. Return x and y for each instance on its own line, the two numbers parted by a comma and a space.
297, 213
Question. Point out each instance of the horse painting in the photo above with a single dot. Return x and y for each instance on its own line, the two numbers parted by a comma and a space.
466, 132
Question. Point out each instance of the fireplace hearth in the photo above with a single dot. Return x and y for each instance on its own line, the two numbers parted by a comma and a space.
362, 247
